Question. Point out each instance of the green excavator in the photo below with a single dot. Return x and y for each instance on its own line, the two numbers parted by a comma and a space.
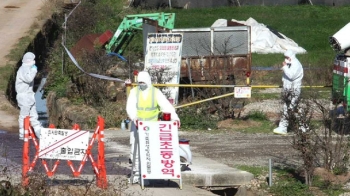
116, 43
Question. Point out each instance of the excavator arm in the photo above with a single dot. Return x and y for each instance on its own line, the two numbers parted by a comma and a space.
133, 23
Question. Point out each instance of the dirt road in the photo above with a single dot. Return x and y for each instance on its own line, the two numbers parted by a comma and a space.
16, 19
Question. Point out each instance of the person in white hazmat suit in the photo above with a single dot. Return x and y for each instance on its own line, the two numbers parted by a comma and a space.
144, 103
25, 94
292, 78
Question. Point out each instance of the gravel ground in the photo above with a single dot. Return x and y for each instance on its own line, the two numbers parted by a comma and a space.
224, 145
235, 148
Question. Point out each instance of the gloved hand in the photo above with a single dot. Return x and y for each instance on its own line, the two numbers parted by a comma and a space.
34, 67
127, 81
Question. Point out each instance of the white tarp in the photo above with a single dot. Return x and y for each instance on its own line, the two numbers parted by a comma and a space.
263, 40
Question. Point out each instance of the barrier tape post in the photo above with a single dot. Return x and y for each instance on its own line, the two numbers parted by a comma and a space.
25, 165
102, 175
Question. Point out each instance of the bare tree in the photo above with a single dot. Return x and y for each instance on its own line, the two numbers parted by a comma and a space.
162, 75
324, 144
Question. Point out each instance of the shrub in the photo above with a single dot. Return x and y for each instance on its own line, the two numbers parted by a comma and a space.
196, 118
257, 115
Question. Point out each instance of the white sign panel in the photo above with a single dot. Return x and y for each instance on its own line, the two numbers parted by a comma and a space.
243, 92
63, 144
159, 150
163, 61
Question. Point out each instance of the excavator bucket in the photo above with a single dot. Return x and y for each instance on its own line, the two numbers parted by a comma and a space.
89, 42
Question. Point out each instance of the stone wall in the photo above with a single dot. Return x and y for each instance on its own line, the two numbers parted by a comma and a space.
63, 114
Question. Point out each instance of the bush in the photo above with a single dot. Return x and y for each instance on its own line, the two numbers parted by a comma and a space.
196, 118
257, 115
290, 187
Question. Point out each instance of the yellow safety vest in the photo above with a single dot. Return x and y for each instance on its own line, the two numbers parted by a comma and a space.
147, 109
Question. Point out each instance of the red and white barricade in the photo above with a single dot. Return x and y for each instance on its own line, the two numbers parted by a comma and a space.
64, 144
158, 146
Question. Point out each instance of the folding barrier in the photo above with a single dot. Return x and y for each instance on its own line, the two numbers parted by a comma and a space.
99, 167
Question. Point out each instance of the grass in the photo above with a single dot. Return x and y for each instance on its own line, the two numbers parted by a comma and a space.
9, 109
259, 123
262, 127
22, 44
283, 182
5, 74
309, 26
285, 185
258, 95
255, 170
254, 122
263, 96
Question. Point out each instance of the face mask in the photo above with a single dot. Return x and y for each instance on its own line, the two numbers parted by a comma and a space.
287, 61
142, 86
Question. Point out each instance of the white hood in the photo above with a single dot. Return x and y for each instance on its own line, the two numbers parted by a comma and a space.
290, 54
28, 58
293, 74
144, 76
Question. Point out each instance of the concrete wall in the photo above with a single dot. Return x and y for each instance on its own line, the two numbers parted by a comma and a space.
217, 3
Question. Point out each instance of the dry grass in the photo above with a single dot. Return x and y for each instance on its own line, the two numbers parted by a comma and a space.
51, 7
40, 184
8, 108
6, 105
229, 123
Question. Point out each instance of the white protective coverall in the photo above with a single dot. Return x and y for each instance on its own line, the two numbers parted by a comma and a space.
25, 94
131, 108
292, 78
